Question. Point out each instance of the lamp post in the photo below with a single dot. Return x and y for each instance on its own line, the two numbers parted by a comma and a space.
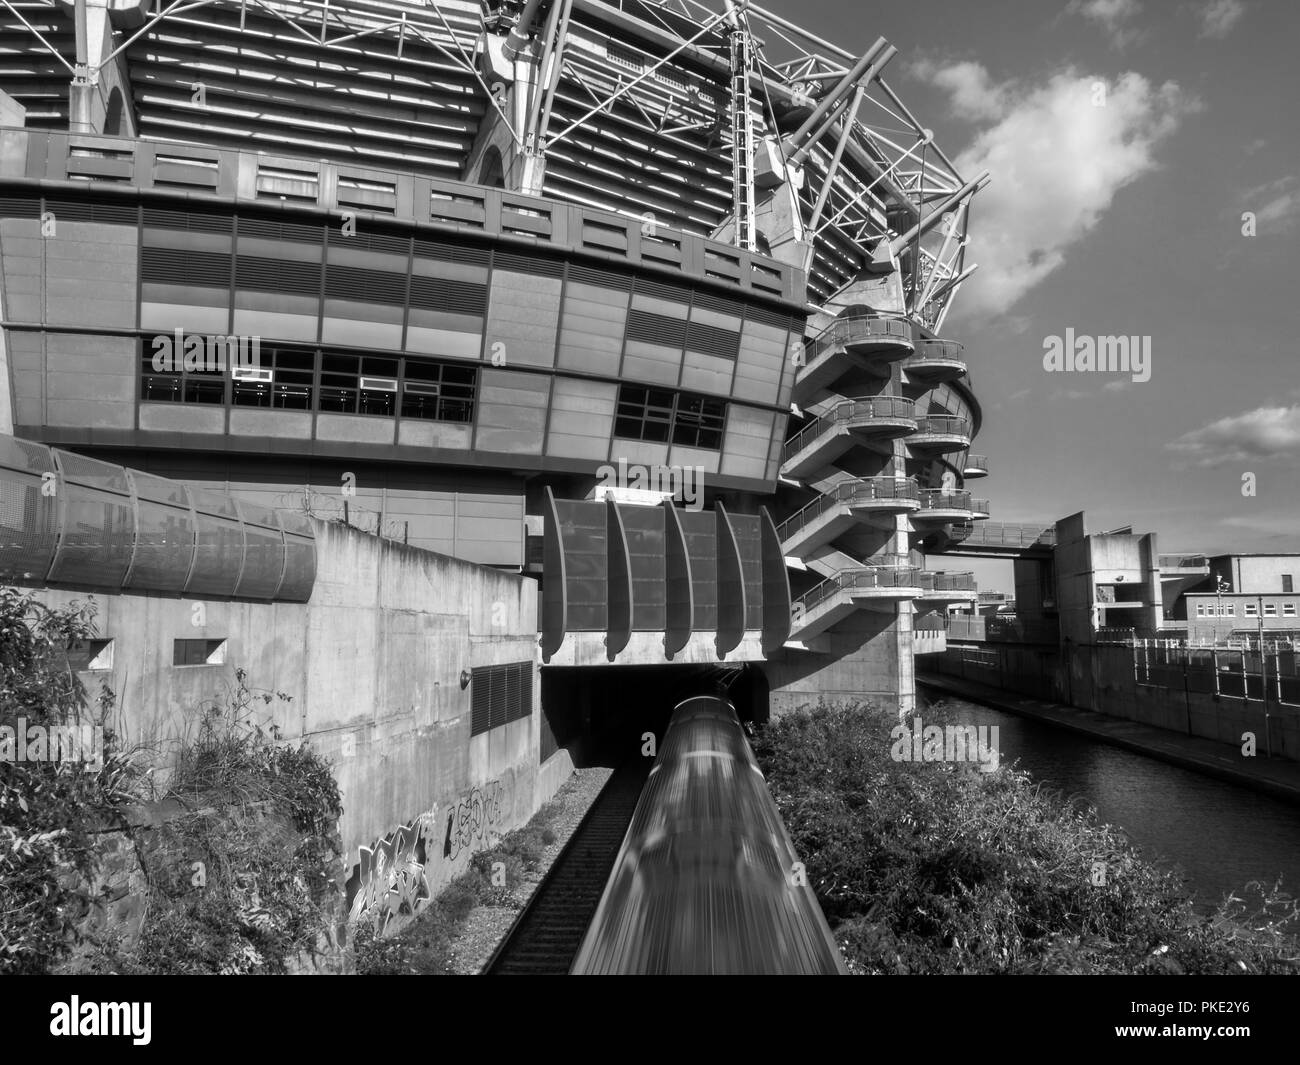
1220, 586
1263, 680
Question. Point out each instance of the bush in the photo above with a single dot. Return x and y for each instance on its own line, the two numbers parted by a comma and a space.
931, 868
49, 808
270, 871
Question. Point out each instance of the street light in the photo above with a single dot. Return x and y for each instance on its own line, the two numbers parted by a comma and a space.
1220, 587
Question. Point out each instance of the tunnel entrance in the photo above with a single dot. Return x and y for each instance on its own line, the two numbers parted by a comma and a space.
600, 714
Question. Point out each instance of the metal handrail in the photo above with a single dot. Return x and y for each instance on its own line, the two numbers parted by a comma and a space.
980, 506
865, 577
936, 350
850, 410
839, 332
1183, 561
947, 582
948, 424
849, 493
938, 499
975, 462
1004, 535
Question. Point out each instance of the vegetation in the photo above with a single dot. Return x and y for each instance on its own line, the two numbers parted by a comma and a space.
240, 883
494, 875
246, 893
937, 868
48, 807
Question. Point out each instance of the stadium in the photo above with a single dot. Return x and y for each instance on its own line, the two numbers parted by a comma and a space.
457, 262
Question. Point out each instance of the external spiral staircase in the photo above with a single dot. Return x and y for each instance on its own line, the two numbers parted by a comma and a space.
874, 470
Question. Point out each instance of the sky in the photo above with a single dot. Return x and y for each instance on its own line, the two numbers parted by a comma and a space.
1120, 211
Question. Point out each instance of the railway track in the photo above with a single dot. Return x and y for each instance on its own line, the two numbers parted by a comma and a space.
546, 935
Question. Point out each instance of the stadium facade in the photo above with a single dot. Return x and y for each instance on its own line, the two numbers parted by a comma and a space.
499, 281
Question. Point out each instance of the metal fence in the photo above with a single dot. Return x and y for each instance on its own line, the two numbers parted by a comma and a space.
858, 492
67, 519
1231, 674
847, 411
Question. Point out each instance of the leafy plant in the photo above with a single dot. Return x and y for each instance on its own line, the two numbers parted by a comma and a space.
926, 868
48, 807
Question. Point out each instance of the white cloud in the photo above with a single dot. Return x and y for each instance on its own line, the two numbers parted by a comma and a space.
1280, 210
973, 92
1260, 434
1113, 16
1057, 161
1219, 16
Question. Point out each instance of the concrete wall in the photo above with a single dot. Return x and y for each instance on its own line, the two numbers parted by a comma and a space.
867, 657
372, 664
1255, 573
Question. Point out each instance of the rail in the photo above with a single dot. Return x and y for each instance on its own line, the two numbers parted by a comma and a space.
1001, 534
854, 326
868, 577
937, 351
939, 499
849, 410
943, 425
976, 462
849, 494
947, 582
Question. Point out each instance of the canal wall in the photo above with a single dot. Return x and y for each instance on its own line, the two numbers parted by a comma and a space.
1104, 679
383, 669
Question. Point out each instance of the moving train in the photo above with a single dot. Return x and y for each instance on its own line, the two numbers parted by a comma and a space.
706, 878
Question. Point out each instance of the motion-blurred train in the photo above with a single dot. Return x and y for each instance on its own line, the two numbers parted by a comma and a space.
706, 879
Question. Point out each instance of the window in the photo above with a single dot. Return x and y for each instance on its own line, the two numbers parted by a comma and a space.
1200, 610
1270, 610
437, 392
500, 694
198, 652
1287, 588
178, 385
88, 655
1252, 610
644, 413
286, 381
699, 422
358, 384
1229, 610
1288, 610
659, 415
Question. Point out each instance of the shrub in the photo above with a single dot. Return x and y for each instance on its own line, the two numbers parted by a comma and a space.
930, 868
48, 808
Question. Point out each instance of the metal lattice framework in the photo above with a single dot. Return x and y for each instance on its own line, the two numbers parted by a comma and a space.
630, 105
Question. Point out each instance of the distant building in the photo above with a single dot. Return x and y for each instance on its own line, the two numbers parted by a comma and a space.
1237, 595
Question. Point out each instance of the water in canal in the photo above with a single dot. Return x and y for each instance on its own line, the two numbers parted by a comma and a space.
1221, 835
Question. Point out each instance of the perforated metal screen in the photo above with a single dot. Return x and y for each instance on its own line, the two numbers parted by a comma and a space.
69, 519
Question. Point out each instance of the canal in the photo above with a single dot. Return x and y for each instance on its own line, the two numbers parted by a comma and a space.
1220, 835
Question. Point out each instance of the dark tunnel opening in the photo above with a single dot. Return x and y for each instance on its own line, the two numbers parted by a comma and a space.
601, 715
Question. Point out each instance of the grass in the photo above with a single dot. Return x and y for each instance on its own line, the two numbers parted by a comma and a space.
425, 945
936, 868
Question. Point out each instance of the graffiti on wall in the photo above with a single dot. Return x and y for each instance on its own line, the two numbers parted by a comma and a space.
390, 881
472, 820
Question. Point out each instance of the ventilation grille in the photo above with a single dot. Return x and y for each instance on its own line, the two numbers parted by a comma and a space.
173, 266
448, 294
650, 328
500, 694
